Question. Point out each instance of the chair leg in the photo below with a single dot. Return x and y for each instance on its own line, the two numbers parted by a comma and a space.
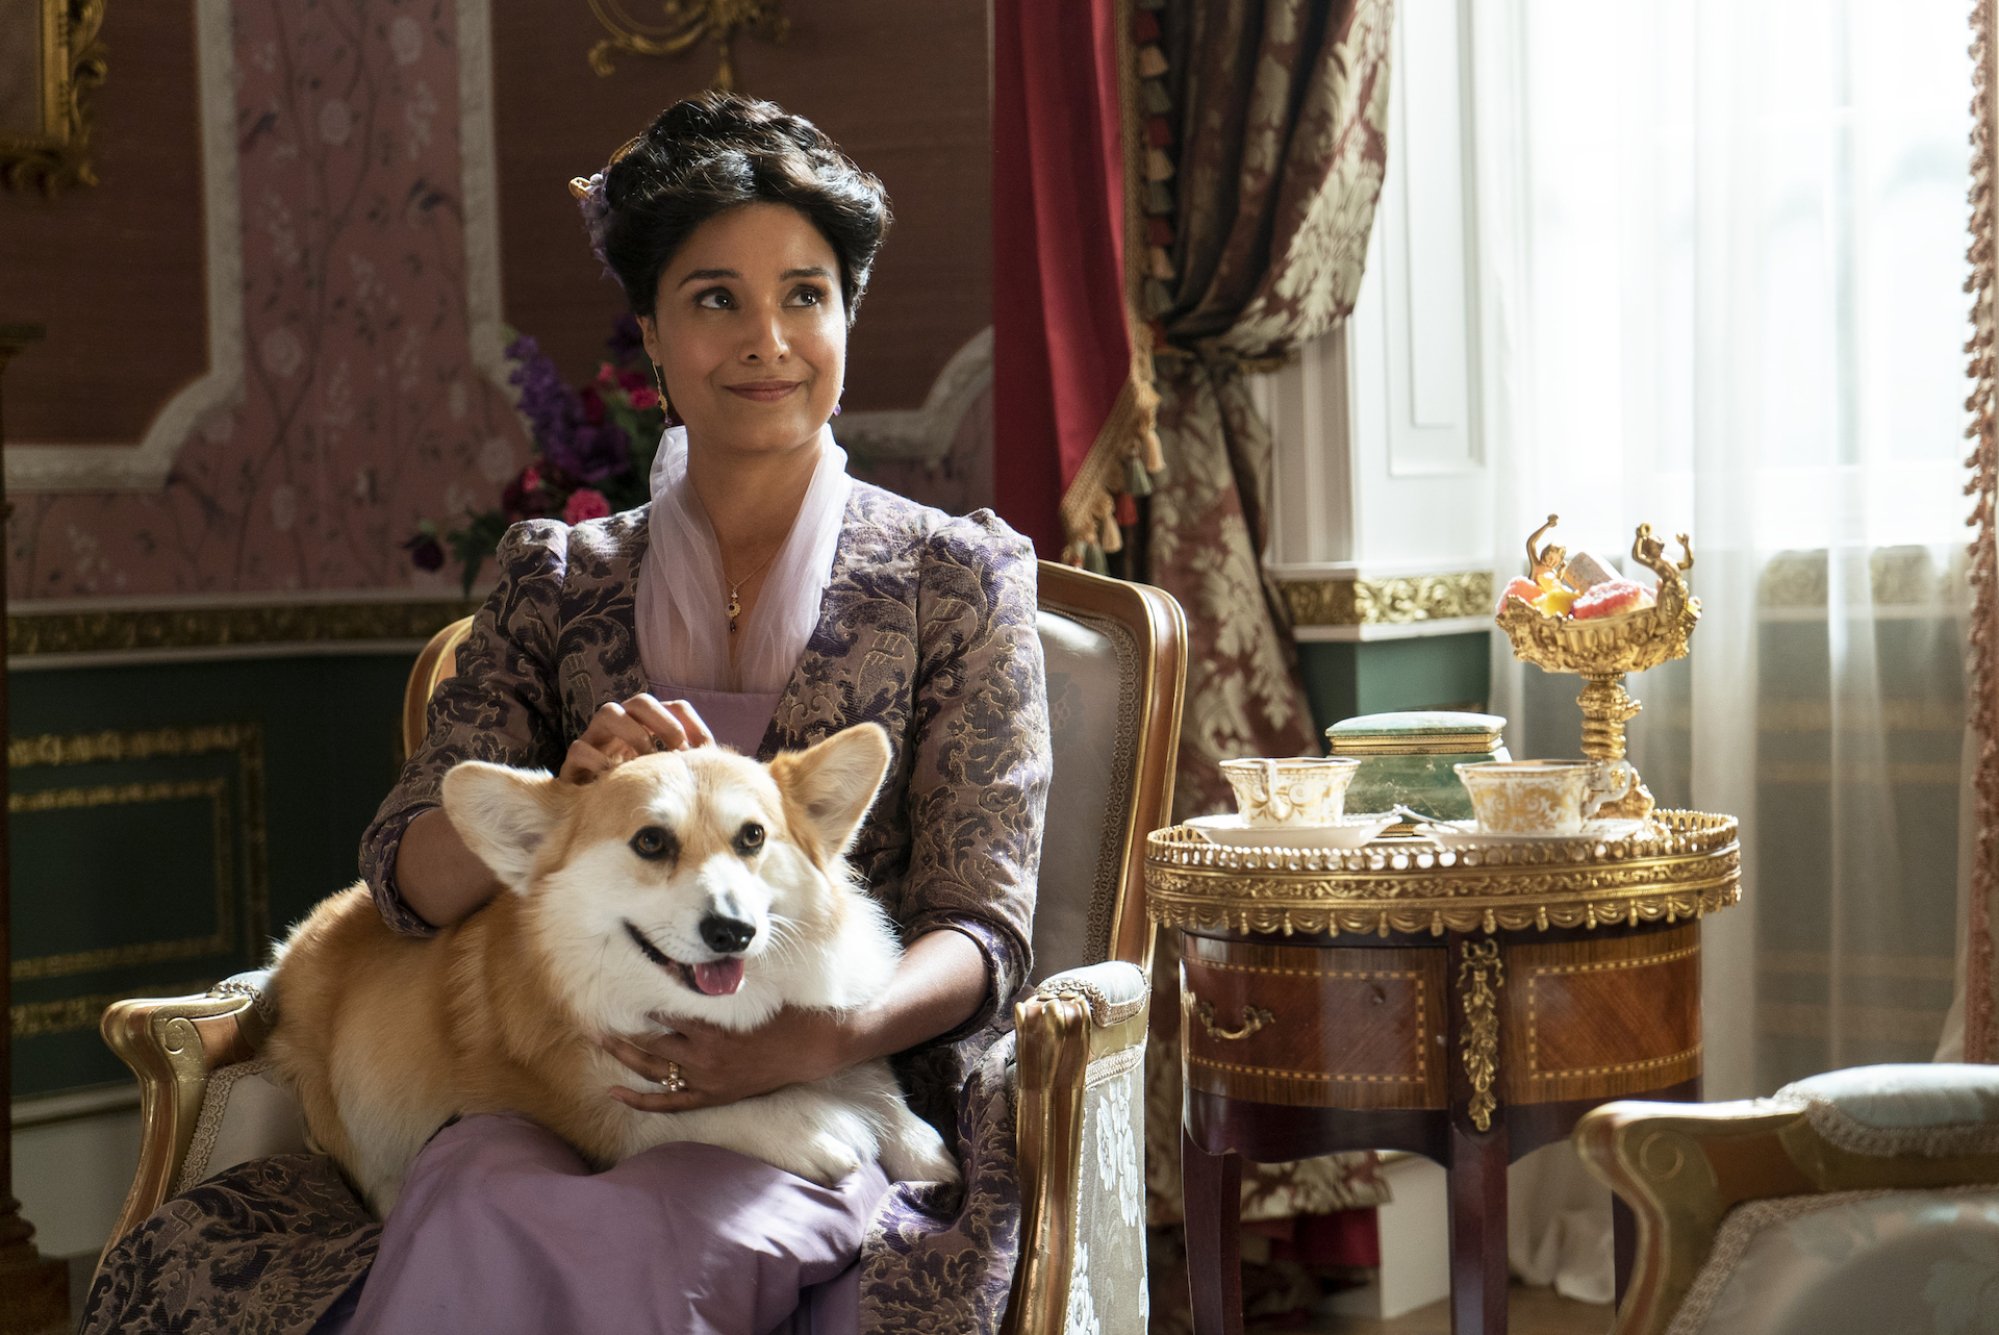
1211, 1185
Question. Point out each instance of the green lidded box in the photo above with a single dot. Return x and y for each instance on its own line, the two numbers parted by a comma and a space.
1406, 758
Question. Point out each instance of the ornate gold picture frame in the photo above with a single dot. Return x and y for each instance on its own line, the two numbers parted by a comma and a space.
50, 61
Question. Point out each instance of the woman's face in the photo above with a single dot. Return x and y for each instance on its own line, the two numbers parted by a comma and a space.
750, 330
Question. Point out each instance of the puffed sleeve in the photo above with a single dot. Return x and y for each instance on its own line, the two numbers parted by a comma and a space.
502, 705
978, 785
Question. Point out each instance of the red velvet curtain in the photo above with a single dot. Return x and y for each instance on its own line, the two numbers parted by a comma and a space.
1063, 354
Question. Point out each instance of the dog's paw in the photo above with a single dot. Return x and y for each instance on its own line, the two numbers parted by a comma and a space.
824, 1159
913, 1152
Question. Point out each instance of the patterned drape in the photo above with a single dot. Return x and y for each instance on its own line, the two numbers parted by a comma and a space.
1283, 118
1279, 111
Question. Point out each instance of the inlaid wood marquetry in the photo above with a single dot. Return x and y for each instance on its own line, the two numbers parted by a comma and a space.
1305, 1026
1602, 1017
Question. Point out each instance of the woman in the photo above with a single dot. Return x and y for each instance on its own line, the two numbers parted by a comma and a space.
764, 600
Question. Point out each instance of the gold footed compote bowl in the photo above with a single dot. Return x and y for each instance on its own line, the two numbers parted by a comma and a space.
1602, 651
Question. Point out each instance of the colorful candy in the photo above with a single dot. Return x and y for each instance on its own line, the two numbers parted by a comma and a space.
1526, 590
1610, 598
1555, 596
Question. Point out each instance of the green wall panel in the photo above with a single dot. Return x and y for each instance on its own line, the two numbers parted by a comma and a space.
182, 815
1381, 676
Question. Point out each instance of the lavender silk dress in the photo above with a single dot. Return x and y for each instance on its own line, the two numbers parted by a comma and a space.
927, 626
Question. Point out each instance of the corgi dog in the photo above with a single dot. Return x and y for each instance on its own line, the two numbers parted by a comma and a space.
697, 884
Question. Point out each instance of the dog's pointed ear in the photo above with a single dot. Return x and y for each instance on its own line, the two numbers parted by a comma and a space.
830, 786
503, 815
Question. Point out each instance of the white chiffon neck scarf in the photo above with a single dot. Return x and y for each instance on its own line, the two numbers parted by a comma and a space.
682, 624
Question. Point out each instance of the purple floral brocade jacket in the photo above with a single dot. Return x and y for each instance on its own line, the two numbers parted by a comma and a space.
927, 627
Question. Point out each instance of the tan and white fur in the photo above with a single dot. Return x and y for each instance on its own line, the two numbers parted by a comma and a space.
609, 925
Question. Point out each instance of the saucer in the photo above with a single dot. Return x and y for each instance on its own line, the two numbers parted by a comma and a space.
1452, 833
1351, 832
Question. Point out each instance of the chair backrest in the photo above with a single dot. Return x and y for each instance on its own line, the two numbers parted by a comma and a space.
1117, 671
436, 664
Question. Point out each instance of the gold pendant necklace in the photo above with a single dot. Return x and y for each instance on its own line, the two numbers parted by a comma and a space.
735, 606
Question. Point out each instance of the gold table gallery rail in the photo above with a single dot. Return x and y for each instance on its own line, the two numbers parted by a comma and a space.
1465, 1003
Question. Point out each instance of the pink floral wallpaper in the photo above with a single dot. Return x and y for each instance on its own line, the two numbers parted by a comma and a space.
361, 407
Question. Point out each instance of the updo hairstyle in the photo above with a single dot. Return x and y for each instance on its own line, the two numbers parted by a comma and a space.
720, 151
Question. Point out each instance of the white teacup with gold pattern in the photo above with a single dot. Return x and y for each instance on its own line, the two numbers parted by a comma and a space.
1547, 797
1296, 790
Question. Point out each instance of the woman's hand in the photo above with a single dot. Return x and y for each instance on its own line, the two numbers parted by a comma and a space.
724, 1065
638, 726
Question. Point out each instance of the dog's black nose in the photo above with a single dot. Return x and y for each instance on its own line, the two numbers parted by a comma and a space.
726, 934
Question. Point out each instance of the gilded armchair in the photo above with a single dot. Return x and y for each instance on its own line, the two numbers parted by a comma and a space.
1861, 1200
1116, 676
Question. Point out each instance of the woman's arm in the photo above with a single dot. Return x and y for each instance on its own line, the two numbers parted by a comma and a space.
438, 877
940, 984
442, 880
501, 706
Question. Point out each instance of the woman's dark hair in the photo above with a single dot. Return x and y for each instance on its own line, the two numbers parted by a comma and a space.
720, 151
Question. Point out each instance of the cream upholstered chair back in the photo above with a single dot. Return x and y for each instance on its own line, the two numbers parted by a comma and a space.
1112, 654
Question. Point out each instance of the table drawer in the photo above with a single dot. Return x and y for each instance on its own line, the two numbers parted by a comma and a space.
1602, 1017
1328, 1027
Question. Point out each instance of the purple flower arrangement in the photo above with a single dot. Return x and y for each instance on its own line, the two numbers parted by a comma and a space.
593, 449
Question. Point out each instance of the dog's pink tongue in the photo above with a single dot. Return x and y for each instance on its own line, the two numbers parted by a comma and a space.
720, 978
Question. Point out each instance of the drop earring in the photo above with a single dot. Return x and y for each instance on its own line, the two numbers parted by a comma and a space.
665, 404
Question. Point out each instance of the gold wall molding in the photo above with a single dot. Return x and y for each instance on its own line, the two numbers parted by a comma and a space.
40, 1019
36, 634
88, 748
1896, 577
1401, 601
71, 65
243, 741
1906, 576
217, 942
687, 23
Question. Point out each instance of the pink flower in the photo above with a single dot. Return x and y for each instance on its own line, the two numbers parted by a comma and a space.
645, 397
585, 503
530, 478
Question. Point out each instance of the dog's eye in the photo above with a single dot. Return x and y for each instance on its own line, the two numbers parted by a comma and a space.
750, 838
654, 843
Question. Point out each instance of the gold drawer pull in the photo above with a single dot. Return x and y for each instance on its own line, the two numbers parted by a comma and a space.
1253, 1019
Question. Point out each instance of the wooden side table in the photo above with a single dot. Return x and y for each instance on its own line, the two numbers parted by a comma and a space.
1466, 1004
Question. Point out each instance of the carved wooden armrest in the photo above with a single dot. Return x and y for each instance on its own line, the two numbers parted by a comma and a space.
1080, 1028
173, 1044
1682, 1167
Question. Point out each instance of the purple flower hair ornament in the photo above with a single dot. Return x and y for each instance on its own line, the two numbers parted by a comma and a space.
590, 198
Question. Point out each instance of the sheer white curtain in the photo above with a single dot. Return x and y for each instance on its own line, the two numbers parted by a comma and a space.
1722, 245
